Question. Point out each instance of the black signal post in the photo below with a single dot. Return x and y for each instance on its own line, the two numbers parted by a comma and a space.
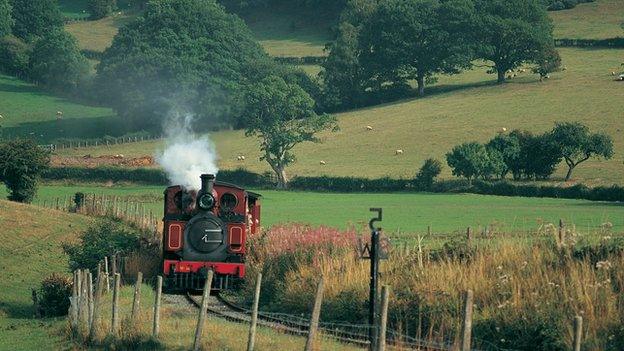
374, 274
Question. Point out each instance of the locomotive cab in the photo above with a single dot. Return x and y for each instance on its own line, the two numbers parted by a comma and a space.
207, 230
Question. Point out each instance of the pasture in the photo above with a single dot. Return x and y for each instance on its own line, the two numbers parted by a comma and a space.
466, 107
404, 213
600, 19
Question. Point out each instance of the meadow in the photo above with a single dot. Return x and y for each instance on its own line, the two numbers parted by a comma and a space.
600, 19
466, 107
404, 213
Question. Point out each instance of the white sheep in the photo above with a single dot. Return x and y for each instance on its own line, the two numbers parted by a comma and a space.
1, 117
503, 130
564, 68
369, 128
322, 163
240, 158
522, 70
613, 73
398, 152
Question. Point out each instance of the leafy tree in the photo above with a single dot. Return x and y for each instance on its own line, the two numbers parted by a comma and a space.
415, 39
547, 62
34, 18
467, 160
576, 144
508, 147
6, 21
430, 169
56, 61
539, 156
14, 56
21, 164
181, 54
101, 8
511, 32
282, 116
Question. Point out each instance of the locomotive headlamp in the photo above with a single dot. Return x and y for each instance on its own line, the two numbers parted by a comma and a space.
206, 202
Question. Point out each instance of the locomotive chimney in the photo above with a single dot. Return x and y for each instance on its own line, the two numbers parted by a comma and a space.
207, 182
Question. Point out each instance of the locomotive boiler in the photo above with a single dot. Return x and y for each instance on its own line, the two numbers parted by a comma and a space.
207, 230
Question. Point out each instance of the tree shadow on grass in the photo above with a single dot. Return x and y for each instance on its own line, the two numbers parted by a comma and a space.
72, 128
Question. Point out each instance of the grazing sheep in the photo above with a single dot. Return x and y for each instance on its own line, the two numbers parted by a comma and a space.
398, 152
503, 130
322, 163
1, 117
613, 73
369, 128
564, 68
240, 158
522, 70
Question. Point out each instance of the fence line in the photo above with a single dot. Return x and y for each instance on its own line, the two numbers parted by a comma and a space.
71, 144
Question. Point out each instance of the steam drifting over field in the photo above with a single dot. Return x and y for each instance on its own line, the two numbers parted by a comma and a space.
186, 155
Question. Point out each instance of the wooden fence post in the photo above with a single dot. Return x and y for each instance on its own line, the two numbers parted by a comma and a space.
137, 297
469, 235
578, 332
385, 295
90, 298
106, 285
254, 315
115, 313
316, 314
466, 334
74, 302
84, 299
96, 307
202, 312
156, 327
114, 264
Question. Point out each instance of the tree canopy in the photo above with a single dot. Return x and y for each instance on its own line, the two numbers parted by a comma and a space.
576, 144
282, 115
511, 32
6, 21
188, 55
34, 18
56, 61
21, 164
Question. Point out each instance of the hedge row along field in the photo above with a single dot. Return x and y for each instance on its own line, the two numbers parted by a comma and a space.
345, 184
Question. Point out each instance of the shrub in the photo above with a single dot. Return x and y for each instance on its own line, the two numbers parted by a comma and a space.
556, 6
106, 237
53, 296
21, 165
6, 21
428, 173
532, 332
468, 160
14, 56
34, 18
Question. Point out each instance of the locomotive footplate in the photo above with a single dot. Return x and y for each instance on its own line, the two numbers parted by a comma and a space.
196, 281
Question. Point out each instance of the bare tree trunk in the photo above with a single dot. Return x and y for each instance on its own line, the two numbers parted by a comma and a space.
501, 75
421, 85
569, 174
282, 178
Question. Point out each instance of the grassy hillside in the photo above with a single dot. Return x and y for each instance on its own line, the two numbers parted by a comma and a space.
27, 110
595, 20
458, 109
407, 213
30, 248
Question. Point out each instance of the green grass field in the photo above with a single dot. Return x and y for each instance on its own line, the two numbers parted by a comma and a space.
404, 212
30, 249
458, 109
595, 20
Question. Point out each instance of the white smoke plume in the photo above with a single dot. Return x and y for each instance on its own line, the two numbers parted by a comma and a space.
186, 155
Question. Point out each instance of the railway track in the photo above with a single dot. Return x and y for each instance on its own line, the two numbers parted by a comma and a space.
220, 307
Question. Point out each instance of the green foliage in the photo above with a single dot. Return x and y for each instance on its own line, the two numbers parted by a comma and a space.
414, 40
14, 56
193, 57
21, 164
511, 32
468, 160
6, 21
53, 296
106, 237
509, 150
56, 61
35, 18
282, 116
547, 62
531, 332
101, 8
576, 144
427, 174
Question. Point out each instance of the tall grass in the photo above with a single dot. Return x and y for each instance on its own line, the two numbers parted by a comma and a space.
526, 294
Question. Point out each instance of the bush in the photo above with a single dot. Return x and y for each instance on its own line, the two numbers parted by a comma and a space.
100, 8
56, 61
556, 6
34, 18
106, 237
14, 56
21, 164
532, 332
53, 296
468, 160
428, 173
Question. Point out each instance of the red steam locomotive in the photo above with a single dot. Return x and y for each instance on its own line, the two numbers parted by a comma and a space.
207, 230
